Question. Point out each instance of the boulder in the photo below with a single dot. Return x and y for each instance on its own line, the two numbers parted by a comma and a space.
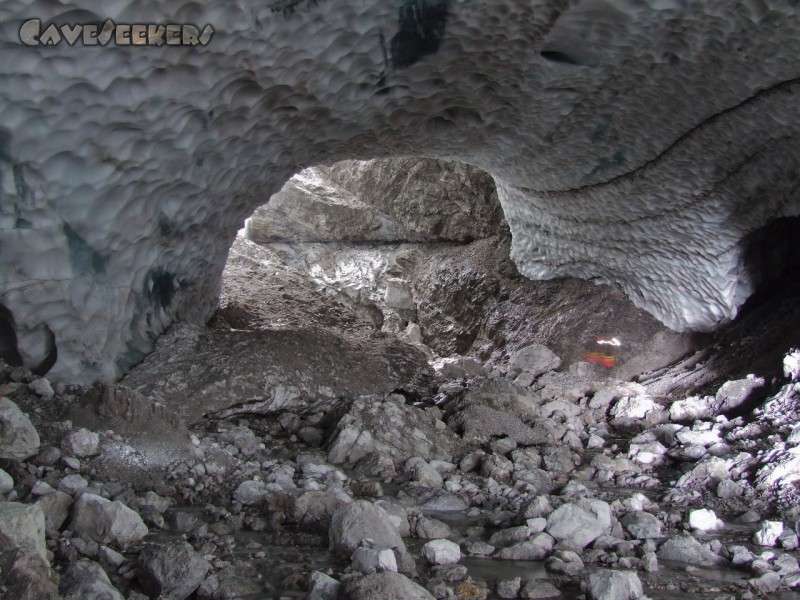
18, 437
605, 584
693, 408
441, 552
538, 547
322, 587
105, 521
172, 570
42, 388
56, 509
383, 586
251, 492
769, 533
361, 523
81, 443
641, 525
704, 519
687, 550
391, 429
86, 580
735, 394
373, 560
534, 360
579, 524
480, 423
22, 526
539, 589
26, 575
6, 482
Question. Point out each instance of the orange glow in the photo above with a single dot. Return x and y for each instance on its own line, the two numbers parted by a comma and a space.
598, 358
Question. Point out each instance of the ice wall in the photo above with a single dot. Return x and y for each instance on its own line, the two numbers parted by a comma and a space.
633, 141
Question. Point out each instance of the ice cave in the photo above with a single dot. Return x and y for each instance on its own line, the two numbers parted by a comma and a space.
399, 299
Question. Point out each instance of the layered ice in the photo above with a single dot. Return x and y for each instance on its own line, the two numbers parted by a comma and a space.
635, 142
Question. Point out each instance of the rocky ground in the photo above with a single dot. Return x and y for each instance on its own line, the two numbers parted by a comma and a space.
413, 420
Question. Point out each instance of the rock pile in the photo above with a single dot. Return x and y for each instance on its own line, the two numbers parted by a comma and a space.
407, 495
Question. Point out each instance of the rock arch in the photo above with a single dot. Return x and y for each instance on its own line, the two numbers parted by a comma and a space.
633, 141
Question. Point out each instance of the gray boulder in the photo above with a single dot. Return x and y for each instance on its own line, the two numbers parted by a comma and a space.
538, 547
606, 584
105, 521
86, 580
172, 570
534, 360
363, 523
26, 575
641, 525
251, 492
387, 585
56, 509
18, 437
81, 443
392, 429
6, 482
579, 524
539, 589
733, 394
22, 526
685, 549
322, 587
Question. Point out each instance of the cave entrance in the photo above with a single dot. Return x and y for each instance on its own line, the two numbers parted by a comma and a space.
772, 258
341, 246
419, 248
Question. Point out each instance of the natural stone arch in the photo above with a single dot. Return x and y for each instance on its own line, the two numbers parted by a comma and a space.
633, 141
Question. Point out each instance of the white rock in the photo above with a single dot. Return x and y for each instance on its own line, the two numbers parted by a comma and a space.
769, 533
373, 560
413, 333
633, 407
425, 473
693, 408
791, 365
81, 443
6, 482
41, 387
690, 437
704, 519
441, 552
20, 440
595, 442
361, 522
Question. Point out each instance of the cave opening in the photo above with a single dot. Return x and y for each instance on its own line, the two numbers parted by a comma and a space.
418, 249
8, 338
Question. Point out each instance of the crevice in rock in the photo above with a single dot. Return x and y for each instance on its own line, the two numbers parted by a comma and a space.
8, 338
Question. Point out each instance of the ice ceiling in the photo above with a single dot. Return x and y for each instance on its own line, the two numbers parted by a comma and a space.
636, 142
